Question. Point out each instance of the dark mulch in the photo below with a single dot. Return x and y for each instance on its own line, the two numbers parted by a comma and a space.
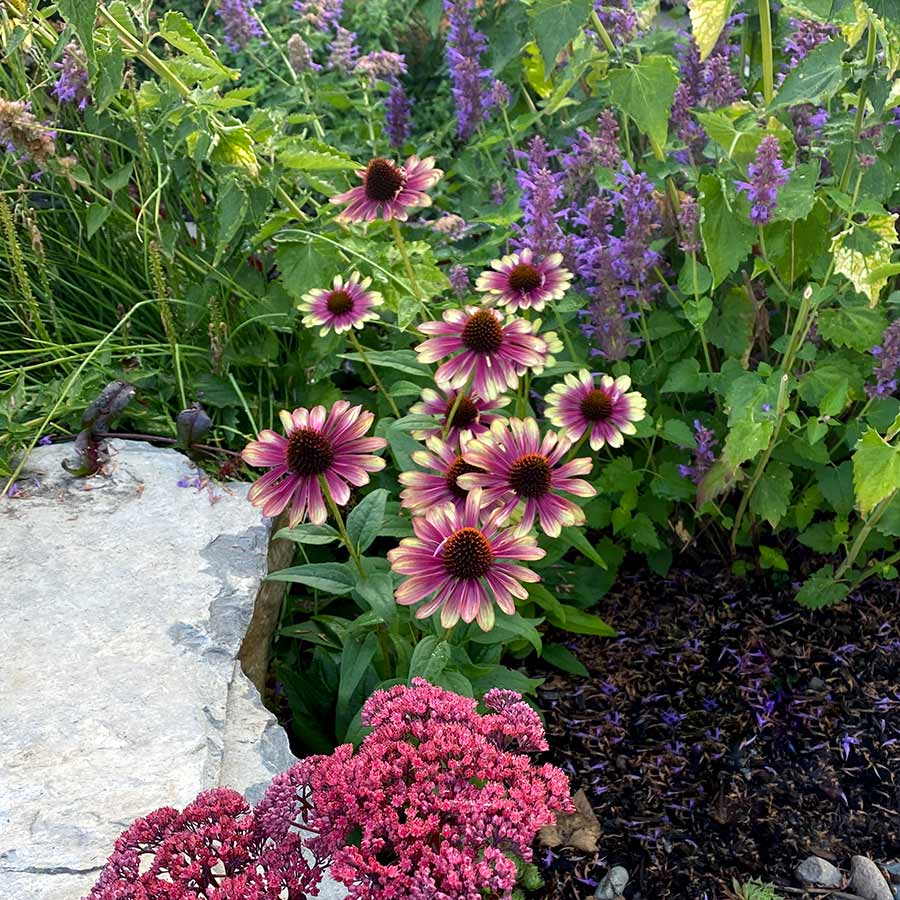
729, 733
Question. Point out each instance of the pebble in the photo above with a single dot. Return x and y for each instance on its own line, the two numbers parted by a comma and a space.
612, 884
819, 872
816, 684
867, 881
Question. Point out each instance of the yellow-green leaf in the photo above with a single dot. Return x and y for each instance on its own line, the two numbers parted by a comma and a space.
708, 18
860, 268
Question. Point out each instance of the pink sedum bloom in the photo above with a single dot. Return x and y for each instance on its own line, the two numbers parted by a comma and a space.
344, 306
438, 485
486, 352
607, 412
463, 565
388, 190
470, 417
521, 282
517, 466
317, 444
438, 801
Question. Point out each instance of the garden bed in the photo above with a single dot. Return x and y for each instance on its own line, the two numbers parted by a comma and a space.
728, 734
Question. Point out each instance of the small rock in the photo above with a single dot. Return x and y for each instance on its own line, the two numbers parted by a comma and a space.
867, 881
816, 684
612, 884
819, 872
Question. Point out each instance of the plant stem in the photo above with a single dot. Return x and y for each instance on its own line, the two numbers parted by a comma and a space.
601, 30
378, 383
860, 110
410, 272
456, 402
339, 521
863, 535
768, 61
701, 329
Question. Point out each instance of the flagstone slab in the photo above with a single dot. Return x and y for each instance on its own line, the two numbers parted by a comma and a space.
125, 600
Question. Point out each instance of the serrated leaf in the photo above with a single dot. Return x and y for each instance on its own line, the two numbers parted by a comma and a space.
727, 236
177, 30
856, 327
876, 470
858, 265
821, 590
231, 208
304, 157
555, 23
816, 79
772, 496
644, 92
708, 18
82, 16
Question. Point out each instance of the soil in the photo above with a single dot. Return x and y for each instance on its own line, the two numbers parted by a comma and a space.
728, 733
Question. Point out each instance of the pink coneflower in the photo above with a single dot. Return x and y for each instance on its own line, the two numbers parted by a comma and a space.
520, 467
426, 490
464, 564
493, 353
469, 417
388, 189
520, 282
578, 405
316, 444
347, 305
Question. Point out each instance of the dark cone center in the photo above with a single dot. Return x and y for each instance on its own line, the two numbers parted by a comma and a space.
525, 278
467, 554
309, 452
466, 412
483, 333
597, 406
530, 475
339, 302
458, 467
383, 180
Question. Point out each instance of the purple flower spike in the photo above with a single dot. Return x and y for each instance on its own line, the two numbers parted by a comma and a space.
397, 108
472, 88
765, 175
239, 21
72, 86
887, 357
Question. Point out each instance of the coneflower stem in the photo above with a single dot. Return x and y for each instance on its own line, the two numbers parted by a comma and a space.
339, 521
378, 383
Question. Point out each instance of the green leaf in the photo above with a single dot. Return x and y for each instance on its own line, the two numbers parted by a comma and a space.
876, 470
708, 18
508, 679
772, 496
304, 266
580, 622
508, 629
178, 31
308, 156
429, 658
308, 533
727, 236
364, 521
231, 208
356, 658
97, 213
856, 327
455, 682
563, 658
110, 71
820, 590
745, 440
575, 536
377, 592
555, 23
335, 578
679, 433
772, 558
836, 485
644, 92
818, 77
684, 378
399, 360
797, 197
120, 178
82, 16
